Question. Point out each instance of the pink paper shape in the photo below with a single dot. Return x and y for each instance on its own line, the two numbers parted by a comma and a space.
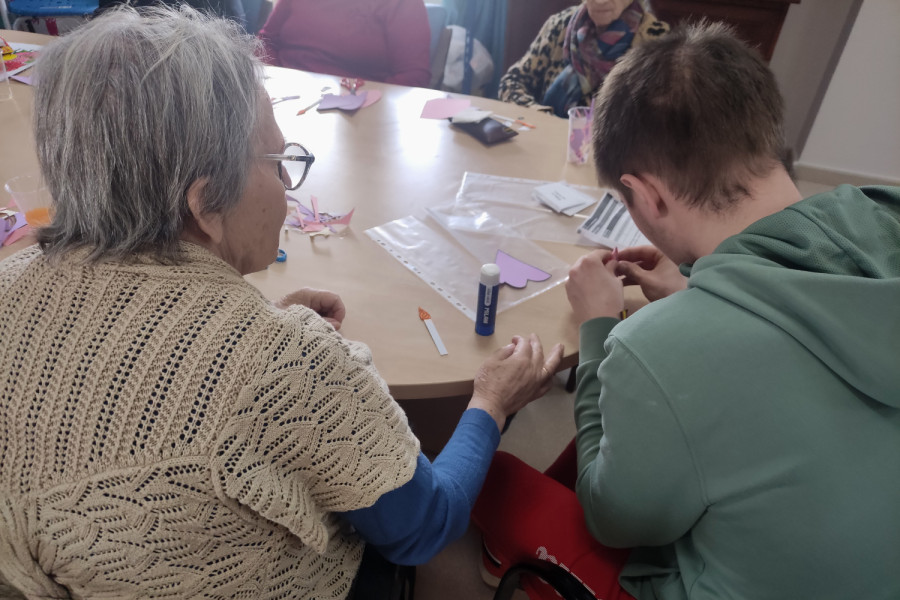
15, 236
516, 273
444, 108
311, 221
22, 61
346, 102
372, 96
10, 225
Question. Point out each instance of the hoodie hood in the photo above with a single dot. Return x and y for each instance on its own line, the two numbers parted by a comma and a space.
826, 270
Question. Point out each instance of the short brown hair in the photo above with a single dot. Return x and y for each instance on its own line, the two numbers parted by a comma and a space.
696, 108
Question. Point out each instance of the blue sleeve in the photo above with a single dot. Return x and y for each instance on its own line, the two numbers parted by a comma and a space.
412, 523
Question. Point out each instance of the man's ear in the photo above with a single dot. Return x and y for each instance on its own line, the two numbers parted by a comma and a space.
209, 223
647, 195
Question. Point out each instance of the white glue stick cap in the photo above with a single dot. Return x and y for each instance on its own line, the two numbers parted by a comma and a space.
490, 275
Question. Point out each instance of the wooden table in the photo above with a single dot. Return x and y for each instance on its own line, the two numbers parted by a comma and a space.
17, 153
387, 163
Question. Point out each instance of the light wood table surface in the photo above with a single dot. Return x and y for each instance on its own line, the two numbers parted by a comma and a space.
388, 163
17, 154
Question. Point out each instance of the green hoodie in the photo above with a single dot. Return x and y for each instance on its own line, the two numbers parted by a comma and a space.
746, 441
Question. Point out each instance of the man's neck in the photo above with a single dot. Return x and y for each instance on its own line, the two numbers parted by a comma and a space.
768, 195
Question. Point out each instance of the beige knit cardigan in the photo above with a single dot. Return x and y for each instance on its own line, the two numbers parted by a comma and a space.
166, 432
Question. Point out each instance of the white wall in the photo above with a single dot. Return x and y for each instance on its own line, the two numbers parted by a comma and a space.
808, 48
857, 127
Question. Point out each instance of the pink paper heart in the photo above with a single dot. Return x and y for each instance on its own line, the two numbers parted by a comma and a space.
372, 96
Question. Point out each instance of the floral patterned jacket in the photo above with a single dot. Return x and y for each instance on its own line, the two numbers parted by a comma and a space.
527, 80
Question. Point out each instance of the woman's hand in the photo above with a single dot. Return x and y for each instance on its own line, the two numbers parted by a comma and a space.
593, 288
513, 376
652, 270
327, 304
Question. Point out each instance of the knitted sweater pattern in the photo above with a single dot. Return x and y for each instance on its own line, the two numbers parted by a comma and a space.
166, 432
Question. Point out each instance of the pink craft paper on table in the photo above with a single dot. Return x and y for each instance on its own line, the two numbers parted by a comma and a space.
346, 102
372, 96
16, 234
25, 55
9, 226
444, 108
516, 273
312, 221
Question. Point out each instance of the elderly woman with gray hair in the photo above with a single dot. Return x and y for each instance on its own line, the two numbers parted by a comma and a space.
165, 430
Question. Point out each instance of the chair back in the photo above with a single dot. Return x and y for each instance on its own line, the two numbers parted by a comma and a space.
566, 585
438, 19
52, 8
4, 16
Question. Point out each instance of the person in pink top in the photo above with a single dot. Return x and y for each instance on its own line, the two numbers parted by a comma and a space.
379, 40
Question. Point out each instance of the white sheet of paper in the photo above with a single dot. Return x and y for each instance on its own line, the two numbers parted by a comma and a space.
610, 225
562, 198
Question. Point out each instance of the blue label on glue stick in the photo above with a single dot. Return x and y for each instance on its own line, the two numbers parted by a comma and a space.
486, 311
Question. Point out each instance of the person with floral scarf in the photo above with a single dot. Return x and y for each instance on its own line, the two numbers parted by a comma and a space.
575, 50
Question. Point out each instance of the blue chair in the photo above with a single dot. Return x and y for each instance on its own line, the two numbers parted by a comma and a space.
28, 9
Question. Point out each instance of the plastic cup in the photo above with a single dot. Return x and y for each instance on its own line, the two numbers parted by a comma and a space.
32, 197
579, 147
5, 89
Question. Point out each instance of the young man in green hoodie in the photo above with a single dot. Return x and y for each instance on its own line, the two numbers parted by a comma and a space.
741, 432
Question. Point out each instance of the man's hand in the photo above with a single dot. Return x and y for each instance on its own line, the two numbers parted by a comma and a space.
652, 270
593, 288
327, 304
513, 376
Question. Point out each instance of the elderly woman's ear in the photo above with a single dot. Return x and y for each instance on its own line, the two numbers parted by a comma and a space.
205, 227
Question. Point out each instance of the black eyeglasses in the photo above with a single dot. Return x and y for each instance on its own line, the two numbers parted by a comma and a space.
293, 164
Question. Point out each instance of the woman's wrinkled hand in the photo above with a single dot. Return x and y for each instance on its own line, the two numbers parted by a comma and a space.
513, 376
327, 305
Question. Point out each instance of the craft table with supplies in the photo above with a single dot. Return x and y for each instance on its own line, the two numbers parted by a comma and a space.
385, 162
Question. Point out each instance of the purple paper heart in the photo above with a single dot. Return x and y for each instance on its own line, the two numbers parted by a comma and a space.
516, 273
346, 102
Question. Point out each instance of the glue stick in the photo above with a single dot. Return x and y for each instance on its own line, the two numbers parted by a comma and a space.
486, 311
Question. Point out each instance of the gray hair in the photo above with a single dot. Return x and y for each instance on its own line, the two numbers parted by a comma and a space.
129, 111
698, 109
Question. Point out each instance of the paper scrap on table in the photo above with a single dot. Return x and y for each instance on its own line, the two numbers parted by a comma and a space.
26, 54
372, 96
10, 222
610, 225
444, 108
432, 330
470, 115
512, 122
516, 273
314, 222
562, 198
346, 102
